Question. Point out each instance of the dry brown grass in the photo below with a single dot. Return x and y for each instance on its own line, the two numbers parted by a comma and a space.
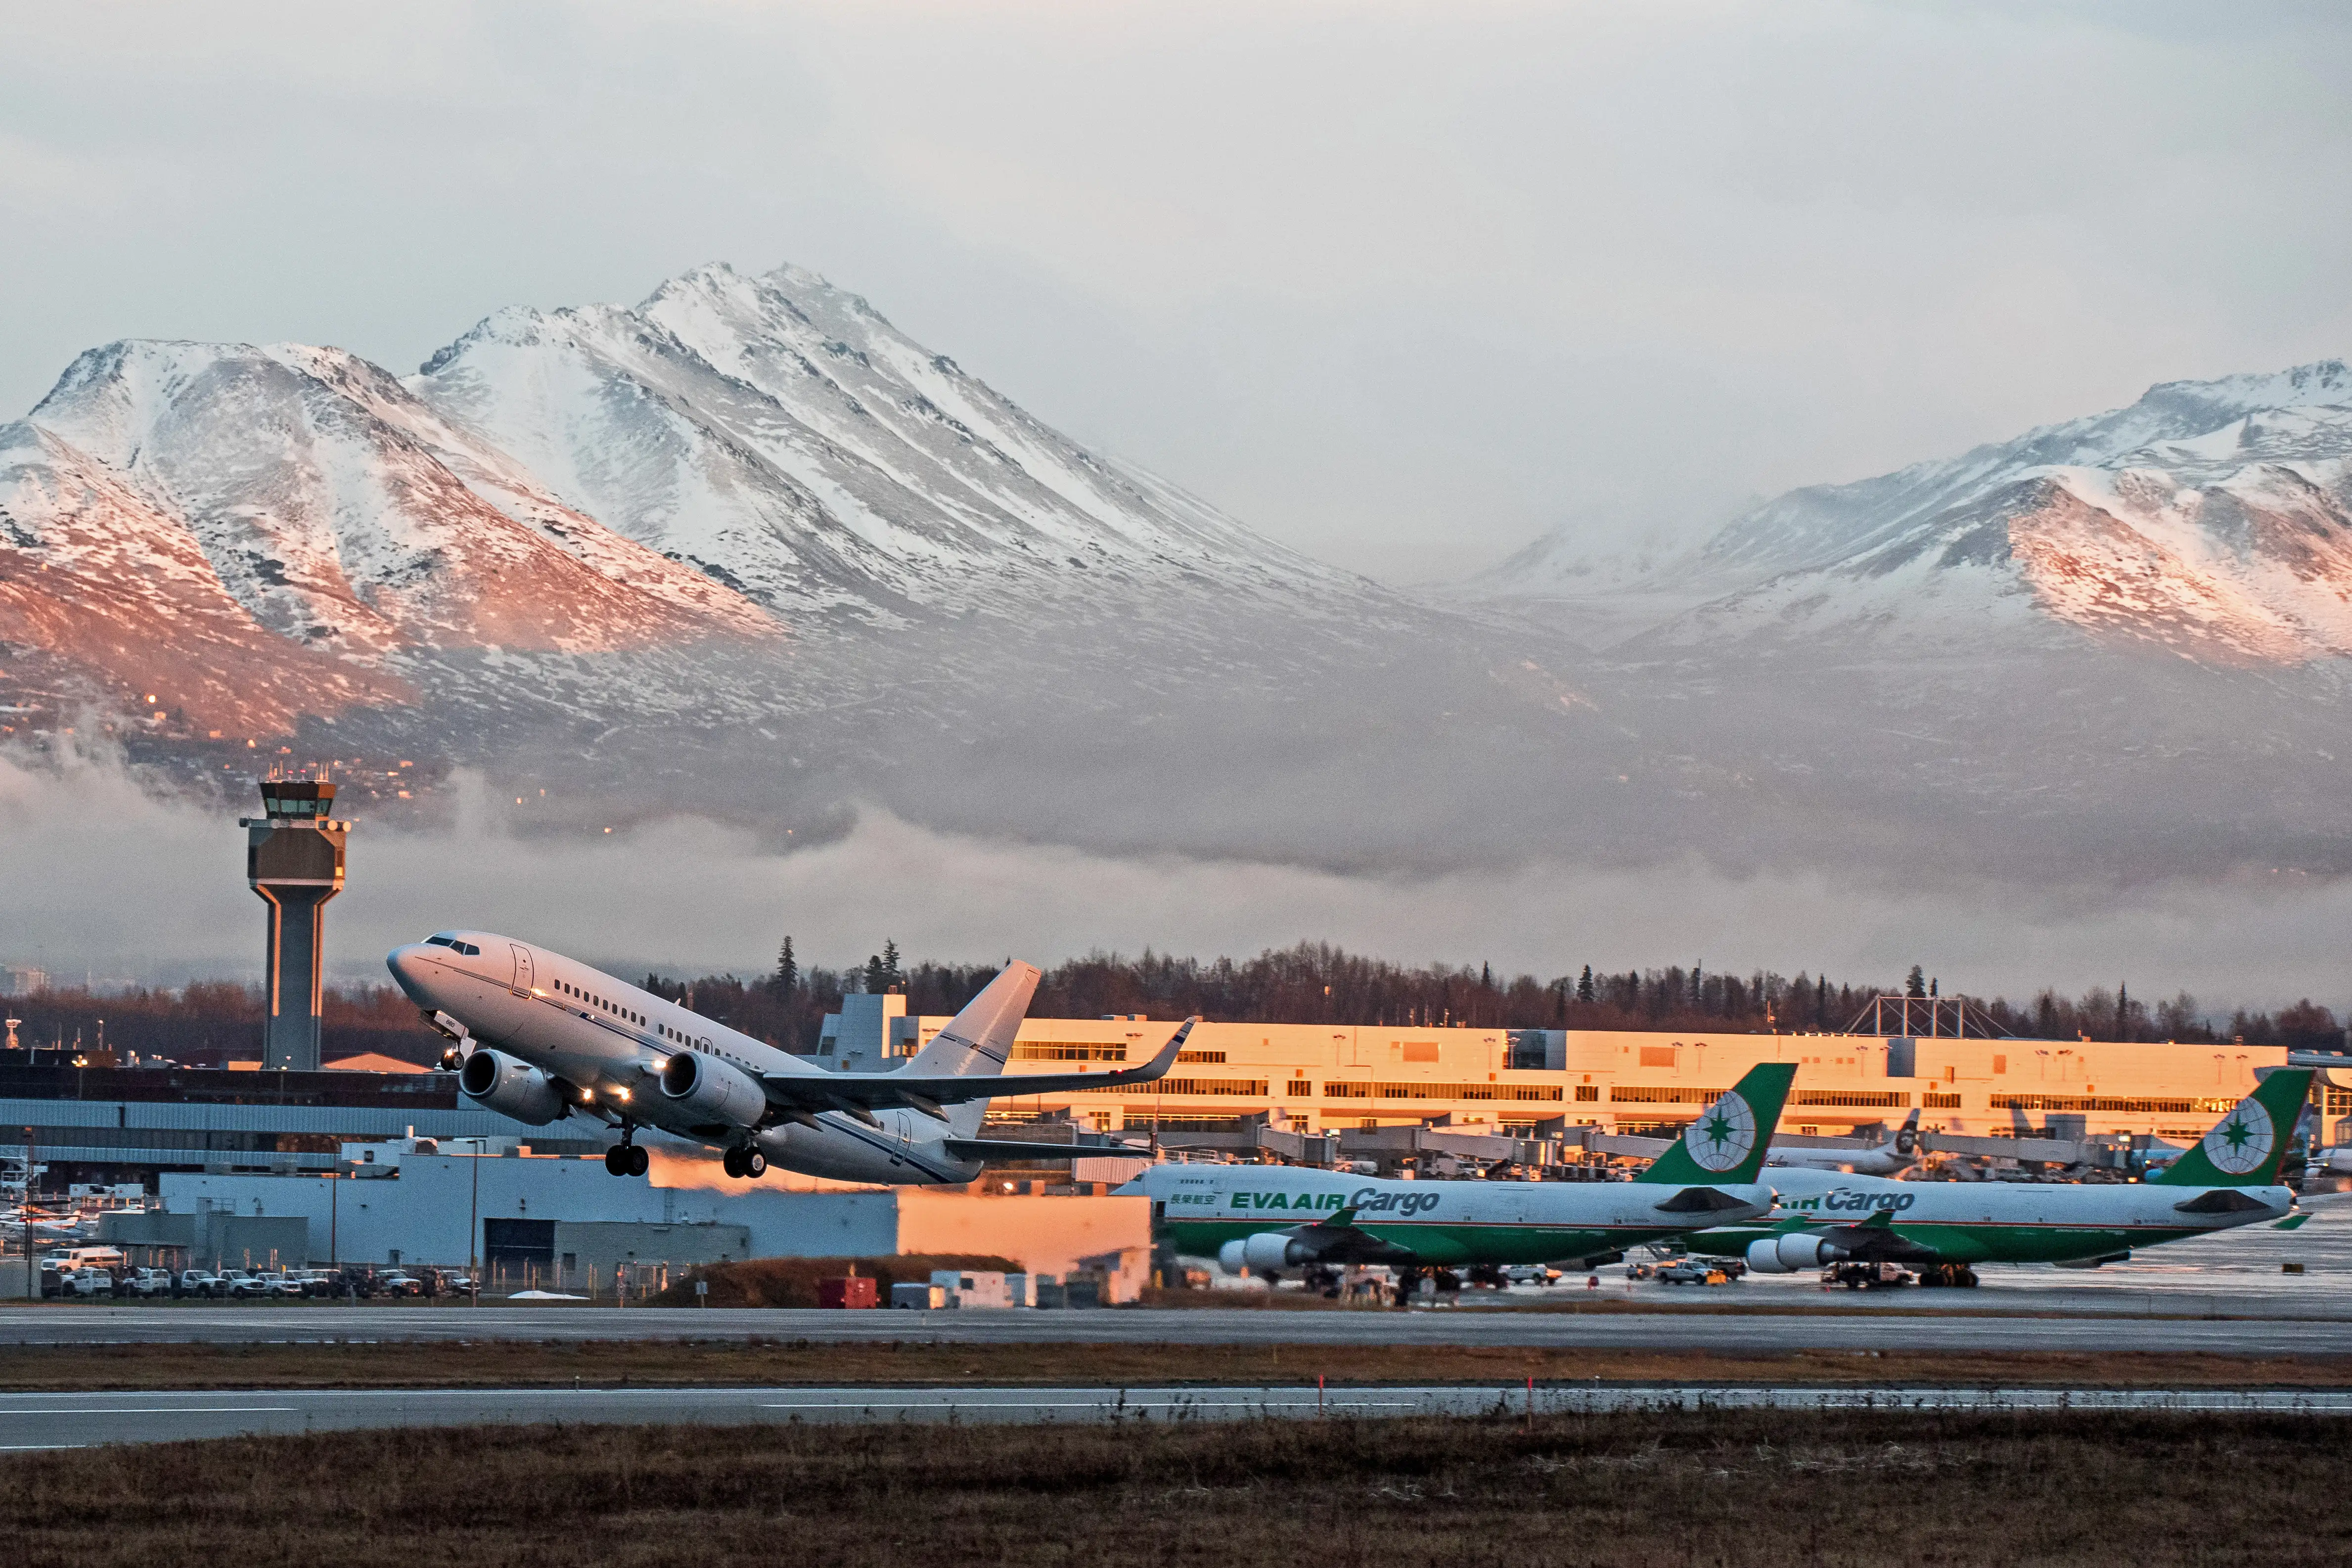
492, 1363
1762, 1488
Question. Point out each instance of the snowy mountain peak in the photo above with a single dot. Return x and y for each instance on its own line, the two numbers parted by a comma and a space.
778, 434
2210, 519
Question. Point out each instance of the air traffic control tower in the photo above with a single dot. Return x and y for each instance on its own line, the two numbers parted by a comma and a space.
294, 860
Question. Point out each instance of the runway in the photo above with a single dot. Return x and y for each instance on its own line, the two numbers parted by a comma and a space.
33, 1423
1647, 1330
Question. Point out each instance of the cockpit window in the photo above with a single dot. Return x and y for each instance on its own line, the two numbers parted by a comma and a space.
440, 941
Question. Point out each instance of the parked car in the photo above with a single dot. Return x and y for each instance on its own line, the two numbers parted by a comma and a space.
199, 1282
278, 1283
90, 1282
399, 1284
150, 1281
1531, 1274
1689, 1272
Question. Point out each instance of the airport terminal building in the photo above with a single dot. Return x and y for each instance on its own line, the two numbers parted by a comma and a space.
1320, 1078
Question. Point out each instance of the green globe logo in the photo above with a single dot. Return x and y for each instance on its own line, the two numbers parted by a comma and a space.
2243, 1142
1722, 1136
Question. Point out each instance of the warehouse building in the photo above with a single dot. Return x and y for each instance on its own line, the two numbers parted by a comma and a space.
562, 1222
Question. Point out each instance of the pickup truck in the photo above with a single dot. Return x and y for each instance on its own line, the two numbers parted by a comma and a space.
242, 1285
200, 1282
89, 1282
399, 1284
277, 1284
149, 1282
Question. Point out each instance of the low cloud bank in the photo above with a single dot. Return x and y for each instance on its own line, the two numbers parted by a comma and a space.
105, 881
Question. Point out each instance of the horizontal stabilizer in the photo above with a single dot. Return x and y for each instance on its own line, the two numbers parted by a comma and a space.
1700, 1200
2220, 1200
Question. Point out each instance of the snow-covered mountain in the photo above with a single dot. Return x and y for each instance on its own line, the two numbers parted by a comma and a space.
2210, 519
747, 550
745, 544
781, 436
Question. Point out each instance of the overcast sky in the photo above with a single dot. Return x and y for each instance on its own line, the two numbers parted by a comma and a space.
1401, 285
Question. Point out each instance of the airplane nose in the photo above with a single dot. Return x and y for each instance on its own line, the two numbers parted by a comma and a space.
407, 967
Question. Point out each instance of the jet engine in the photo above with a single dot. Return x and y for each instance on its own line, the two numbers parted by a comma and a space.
511, 1088
710, 1092
1786, 1254
1264, 1252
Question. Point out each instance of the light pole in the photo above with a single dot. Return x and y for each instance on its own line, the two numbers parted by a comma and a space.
24, 1213
474, 1232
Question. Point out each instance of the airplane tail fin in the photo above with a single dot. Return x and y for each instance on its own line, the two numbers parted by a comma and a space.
978, 1041
1728, 1140
2245, 1146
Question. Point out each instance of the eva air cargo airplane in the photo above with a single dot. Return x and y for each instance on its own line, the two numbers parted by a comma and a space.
1265, 1220
1943, 1228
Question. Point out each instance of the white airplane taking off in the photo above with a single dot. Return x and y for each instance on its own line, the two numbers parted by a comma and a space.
543, 1037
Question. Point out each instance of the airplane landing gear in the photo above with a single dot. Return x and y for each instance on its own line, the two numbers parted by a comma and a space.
746, 1163
624, 1158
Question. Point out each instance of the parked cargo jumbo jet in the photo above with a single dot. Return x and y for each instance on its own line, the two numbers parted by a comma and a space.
540, 1036
1823, 1219
1265, 1220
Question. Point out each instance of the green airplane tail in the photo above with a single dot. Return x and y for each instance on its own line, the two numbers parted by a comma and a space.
2245, 1146
1728, 1142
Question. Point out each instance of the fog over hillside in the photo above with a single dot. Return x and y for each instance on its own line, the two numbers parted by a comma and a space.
149, 890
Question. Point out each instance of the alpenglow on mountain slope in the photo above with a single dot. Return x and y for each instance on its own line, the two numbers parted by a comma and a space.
2211, 519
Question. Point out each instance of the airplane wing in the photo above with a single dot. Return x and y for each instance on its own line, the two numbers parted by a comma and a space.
1010, 1149
1336, 1240
866, 1092
1874, 1241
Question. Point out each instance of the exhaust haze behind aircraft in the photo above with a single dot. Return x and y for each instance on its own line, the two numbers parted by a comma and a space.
542, 1037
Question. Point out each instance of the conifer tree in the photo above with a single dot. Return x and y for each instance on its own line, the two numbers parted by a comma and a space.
1584, 985
1916, 984
787, 979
